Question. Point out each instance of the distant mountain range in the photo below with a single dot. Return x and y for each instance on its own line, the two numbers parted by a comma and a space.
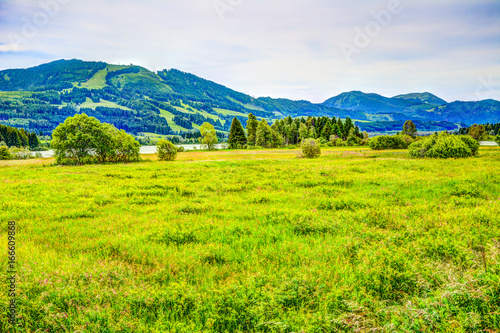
172, 101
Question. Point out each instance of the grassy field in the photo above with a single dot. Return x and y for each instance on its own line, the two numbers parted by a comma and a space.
230, 113
170, 119
256, 241
98, 81
89, 104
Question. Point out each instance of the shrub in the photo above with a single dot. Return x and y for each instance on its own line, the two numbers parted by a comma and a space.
390, 142
471, 143
338, 142
497, 139
20, 153
310, 148
180, 149
166, 150
292, 147
353, 141
5, 153
444, 146
364, 142
82, 139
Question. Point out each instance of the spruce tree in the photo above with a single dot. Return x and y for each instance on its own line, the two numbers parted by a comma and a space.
341, 129
237, 135
252, 124
327, 131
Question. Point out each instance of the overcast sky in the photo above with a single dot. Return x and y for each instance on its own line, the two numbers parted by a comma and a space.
297, 49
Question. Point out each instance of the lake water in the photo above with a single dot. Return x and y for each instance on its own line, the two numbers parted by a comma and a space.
152, 149
145, 149
488, 143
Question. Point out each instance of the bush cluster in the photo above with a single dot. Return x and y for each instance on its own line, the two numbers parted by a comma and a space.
85, 140
445, 145
336, 142
15, 153
391, 142
5, 153
310, 148
167, 151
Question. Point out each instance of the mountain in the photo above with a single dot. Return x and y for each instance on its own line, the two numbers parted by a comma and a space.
425, 97
133, 98
138, 100
56, 75
481, 112
416, 106
367, 103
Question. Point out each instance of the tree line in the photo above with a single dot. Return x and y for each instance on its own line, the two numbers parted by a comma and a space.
14, 137
481, 130
289, 131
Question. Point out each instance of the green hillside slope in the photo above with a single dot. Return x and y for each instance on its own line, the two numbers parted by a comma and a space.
138, 100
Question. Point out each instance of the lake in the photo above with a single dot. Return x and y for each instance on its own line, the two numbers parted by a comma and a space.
144, 149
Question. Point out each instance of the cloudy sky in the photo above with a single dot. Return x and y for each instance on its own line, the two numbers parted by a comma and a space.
297, 49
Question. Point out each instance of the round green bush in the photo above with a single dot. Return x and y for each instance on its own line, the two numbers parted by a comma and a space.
180, 149
85, 140
310, 148
444, 145
166, 150
497, 139
390, 142
338, 142
5, 153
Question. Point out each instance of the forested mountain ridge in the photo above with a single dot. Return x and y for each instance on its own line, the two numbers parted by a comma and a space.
138, 100
416, 106
131, 98
425, 97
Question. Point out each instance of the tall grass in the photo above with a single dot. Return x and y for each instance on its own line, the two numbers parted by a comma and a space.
259, 241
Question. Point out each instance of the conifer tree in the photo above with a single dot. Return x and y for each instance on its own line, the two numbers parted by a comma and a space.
237, 135
252, 124
327, 131
340, 129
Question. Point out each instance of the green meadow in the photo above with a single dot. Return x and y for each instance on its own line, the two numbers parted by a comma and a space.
256, 241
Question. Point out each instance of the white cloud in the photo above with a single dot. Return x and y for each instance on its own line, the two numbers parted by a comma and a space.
280, 48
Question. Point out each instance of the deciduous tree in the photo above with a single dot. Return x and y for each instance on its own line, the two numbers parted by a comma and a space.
208, 136
410, 129
82, 139
478, 132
